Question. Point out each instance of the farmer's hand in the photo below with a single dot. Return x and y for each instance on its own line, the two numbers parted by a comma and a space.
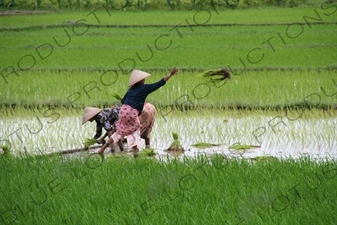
168, 76
174, 71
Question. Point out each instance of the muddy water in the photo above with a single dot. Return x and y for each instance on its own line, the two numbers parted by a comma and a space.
275, 136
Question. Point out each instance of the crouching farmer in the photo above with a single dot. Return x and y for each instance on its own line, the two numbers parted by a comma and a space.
106, 119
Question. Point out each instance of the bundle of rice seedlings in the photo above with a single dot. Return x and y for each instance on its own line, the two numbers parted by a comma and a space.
175, 146
147, 152
217, 75
117, 96
89, 141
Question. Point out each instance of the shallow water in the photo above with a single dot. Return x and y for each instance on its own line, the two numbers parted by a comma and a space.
276, 136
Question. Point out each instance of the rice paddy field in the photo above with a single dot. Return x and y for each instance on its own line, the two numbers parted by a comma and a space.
281, 102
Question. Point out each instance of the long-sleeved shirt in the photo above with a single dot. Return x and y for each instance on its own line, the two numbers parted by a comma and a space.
106, 119
136, 95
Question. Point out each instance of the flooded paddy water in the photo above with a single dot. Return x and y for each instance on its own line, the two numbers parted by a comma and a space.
276, 136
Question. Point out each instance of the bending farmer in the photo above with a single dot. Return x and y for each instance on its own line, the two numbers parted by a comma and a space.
128, 123
106, 119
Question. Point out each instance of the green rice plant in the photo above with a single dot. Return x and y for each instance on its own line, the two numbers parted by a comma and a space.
217, 75
117, 96
243, 146
267, 15
89, 141
162, 5
147, 153
283, 74
175, 146
204, 145
264, 158
317, 43
285, 90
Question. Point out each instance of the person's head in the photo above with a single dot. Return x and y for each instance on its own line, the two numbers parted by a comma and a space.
142, 81
138, 76
89, 114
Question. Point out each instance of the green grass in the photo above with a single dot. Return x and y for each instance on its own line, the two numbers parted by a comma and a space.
192, 191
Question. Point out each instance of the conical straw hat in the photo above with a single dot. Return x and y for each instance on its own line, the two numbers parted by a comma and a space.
137, 76
88, 113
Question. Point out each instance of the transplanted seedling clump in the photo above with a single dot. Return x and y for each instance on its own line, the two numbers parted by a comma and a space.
204, 145
147, 152
243, 147
175, 146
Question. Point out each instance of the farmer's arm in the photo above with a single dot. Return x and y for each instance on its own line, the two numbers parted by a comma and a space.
152, 87
105, 123
99, 128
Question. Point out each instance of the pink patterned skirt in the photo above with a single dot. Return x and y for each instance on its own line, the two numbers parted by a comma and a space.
128, 121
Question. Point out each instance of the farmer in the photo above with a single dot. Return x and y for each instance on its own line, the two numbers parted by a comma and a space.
106, 119
133, 102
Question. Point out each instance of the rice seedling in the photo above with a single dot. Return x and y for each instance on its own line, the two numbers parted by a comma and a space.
117, 96
317, 42
175, 146
268, 15
264, 158
89, 141
217, 75
243, 146
285, 90
147, 152
204, 145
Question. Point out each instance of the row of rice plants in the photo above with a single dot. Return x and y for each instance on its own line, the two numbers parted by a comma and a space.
272, 89
145, 47
267, 15
264, 89
144, 191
